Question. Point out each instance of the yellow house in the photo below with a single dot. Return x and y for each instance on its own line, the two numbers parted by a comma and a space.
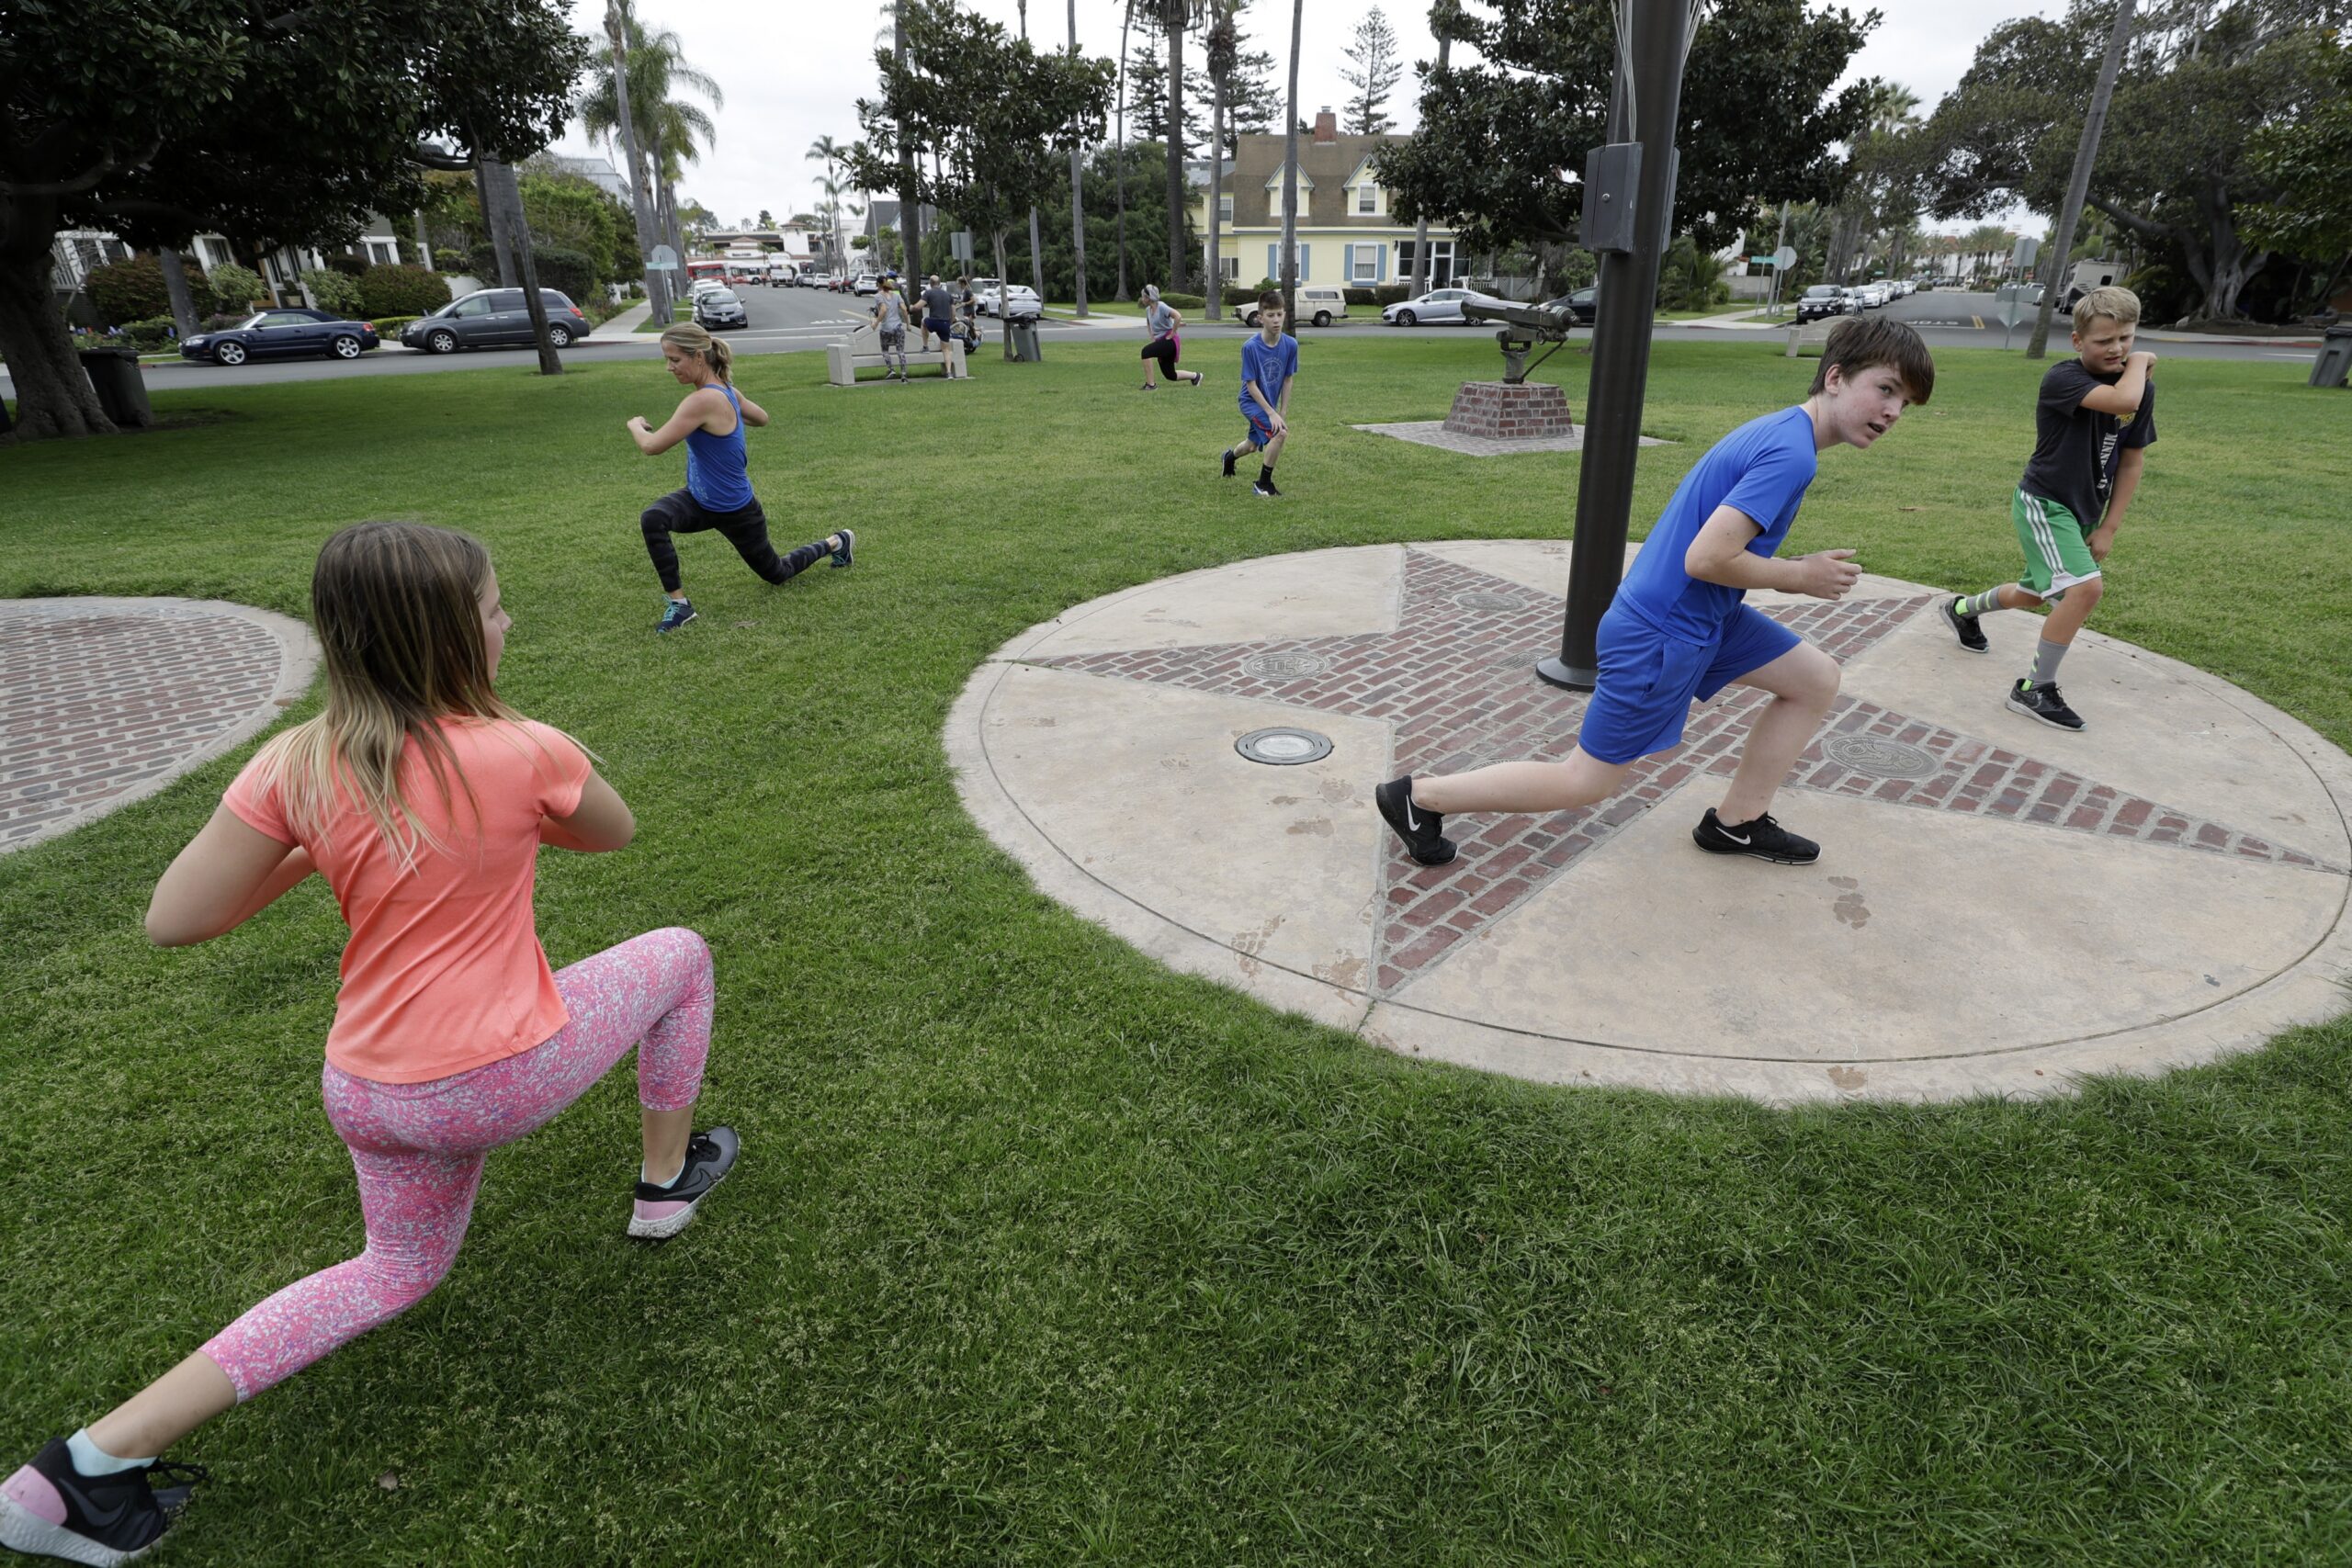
1349, 234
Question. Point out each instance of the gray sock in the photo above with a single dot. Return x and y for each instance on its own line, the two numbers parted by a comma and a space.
2046, 655
1977, 604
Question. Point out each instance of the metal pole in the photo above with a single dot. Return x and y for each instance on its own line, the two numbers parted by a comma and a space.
2078, 184
1779, 239
1650, 75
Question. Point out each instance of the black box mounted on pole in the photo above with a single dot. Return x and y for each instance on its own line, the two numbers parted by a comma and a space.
1612, 180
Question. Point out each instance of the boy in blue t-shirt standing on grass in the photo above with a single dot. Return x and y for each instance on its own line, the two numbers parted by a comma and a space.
1679, 629
1268, 363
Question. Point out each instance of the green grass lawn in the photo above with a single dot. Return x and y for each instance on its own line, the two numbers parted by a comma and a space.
1042, 1254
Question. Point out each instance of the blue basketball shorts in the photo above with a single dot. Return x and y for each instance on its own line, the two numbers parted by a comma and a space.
1650, 680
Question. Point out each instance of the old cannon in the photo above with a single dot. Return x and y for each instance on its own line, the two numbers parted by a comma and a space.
1523, 327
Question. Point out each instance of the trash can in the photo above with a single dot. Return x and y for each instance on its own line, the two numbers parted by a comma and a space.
1022, 331
122, 393
2334, 356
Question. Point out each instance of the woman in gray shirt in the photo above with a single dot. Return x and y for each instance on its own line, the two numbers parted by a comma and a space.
1164, 323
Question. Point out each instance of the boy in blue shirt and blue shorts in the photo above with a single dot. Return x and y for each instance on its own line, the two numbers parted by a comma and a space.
1268, 363
1678, 630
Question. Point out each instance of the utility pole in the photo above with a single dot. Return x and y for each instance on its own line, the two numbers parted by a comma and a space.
1778, 240
1076, 191
2079, 185
1635, 172
657, 293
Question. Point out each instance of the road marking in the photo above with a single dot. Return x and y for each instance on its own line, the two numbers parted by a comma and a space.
1979, 321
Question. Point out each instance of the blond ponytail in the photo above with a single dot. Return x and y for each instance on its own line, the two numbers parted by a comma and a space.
692, 338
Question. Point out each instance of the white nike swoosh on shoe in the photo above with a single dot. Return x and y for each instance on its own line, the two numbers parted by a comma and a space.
1727, 833
1411, 820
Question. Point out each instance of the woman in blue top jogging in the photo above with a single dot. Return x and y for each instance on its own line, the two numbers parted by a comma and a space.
710, 421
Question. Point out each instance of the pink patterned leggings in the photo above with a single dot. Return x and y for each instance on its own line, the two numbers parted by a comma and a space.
419, 1146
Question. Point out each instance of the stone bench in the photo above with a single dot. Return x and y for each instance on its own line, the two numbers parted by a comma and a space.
862, 350
1808, 339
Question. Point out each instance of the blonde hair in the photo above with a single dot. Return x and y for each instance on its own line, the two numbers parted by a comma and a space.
2118, 305
694, 339
397, 609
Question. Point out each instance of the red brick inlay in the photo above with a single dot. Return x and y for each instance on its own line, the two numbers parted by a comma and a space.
1456, 682
96, 705
1501, 410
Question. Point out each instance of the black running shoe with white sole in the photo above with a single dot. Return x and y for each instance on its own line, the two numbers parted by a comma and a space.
1764, 839
1969, 629
665, 1210
1264, 487
49, 1510
847, 554
1421, 830
2043, 702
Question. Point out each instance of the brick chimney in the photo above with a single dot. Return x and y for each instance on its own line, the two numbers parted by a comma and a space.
1326, 126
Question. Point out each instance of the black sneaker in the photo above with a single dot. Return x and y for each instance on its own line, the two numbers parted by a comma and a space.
678, 614
49, 1510
665, 1210
1764, 839
1969, 629
1229, 465
2043, 702
1264, 487
847, 554
1421, 830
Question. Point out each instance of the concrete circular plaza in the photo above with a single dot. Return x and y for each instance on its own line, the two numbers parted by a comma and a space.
1999, 906
108, 700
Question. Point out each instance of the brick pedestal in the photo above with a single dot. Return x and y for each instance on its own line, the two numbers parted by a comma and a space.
1501, 411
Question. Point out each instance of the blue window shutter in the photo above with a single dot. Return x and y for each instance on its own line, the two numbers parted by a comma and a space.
1381, 275
1349, 264
1274, 263
1306, 267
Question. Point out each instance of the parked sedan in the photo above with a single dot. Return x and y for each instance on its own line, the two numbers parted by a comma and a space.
493, 318
1013, 299
1583, 306
287, 332
1821, 300
1437, 305
720, 308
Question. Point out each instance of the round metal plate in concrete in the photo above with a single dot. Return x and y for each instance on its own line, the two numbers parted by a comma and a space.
108, 700
1283, 666
2166, 886
1284, 747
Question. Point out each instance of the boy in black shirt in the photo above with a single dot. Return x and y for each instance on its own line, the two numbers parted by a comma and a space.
2096, 416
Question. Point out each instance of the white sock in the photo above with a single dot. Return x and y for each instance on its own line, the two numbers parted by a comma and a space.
646, 1176
93, 1462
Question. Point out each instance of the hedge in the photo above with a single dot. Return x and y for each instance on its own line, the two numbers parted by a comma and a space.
132, 290
1185, 301
154, 332
389, 290
389, 327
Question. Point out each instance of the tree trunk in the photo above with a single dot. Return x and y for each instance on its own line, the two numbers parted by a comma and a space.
1119, 146
1003, 309
175, 284
1077, 194
1213, 289
518, 229
1176, 257
1290, 173
54, 398
910, 210
640, 203
494, 215
2069, 209
1421, 224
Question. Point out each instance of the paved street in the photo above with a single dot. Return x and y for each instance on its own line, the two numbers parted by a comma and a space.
788, 320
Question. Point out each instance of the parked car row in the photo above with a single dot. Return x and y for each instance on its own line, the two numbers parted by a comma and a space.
487, 318
997, 298
716, 305
286, 332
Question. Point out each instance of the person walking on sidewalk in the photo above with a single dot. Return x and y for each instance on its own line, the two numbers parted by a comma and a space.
710, 421
423, 799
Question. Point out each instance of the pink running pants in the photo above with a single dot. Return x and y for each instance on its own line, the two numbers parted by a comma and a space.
419, 1147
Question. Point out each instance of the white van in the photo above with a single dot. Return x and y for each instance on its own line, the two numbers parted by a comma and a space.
1318, 305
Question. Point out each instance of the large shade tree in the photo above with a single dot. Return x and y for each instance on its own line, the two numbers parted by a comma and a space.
174, 120
1501, 148
2181, 164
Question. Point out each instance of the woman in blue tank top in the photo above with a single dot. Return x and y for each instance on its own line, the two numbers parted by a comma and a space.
718, 496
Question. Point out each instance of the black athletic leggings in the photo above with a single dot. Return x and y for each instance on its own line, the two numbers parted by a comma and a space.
747, 530
1163, 349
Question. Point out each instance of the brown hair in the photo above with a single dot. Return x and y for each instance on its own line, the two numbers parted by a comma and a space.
397, 609
1858, 344
692, 338
2118, 305
1270, 301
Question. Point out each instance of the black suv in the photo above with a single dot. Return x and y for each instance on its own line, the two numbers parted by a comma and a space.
493, 318
1821, 300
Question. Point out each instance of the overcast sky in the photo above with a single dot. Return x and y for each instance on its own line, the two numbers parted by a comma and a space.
792, 74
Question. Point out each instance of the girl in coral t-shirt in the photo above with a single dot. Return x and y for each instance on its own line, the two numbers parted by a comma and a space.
423, 799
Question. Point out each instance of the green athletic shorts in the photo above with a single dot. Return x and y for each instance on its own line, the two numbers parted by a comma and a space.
2057, 548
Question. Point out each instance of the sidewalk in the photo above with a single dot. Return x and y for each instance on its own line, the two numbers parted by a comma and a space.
2181, 864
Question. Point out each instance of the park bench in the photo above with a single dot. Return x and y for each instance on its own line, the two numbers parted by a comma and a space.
863, 350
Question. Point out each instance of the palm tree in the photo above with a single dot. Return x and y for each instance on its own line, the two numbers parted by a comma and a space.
617, 115
1224, 53
1119, 143
1444, 16
657, 68
1290, 169
1078, 193
1894, 109
829, 152
1175, 17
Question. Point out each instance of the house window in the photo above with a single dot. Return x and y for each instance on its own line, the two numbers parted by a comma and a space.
1440, 263
1231, 266
383, 253
1367, 265
1225, 207
1367, 199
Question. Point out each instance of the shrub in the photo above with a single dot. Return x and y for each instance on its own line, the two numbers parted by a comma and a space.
156, 332
1359, 295
333, 290
220, 321
126, 291
389, 327
234, 287
1240, 294
351, 266
389, 290
1390, 294
1183, 302
566, 270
